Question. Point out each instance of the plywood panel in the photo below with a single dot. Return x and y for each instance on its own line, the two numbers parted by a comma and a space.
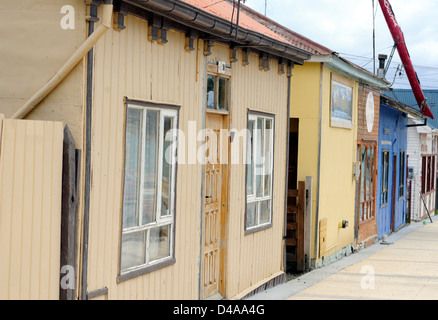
30, 209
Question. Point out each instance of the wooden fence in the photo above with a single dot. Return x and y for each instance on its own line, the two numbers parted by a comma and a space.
31, 155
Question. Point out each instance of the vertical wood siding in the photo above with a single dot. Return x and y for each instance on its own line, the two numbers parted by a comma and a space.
30, 208
128, 65
256, 257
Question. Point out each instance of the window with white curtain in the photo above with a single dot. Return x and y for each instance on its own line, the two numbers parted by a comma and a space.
149, 187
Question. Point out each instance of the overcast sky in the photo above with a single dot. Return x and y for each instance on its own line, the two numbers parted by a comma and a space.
346, 27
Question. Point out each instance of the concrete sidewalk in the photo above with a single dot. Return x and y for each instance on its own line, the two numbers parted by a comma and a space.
406, 268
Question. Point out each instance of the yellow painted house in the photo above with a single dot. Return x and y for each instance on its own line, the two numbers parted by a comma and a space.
327, 147
323, 147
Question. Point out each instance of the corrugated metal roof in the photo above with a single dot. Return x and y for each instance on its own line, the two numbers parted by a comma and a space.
407, 97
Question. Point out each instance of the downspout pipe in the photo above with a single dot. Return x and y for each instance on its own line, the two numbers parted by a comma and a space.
68, 66
106, 23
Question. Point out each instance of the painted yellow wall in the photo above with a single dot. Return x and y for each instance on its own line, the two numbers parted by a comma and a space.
337, 190
305, 102
338, 152
34, 46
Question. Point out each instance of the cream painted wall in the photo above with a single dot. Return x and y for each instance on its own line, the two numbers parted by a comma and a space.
34, 46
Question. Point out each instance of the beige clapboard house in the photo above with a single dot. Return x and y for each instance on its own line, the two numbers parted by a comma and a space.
143, 150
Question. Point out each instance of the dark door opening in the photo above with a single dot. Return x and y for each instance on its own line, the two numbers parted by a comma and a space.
295, 207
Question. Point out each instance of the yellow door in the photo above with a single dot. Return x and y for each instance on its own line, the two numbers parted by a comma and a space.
214, 205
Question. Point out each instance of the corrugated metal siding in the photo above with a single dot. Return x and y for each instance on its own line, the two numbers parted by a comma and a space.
128, 65
30, 209
253, 258
407, 97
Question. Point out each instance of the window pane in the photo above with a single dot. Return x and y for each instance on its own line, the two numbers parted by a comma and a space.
369, 173
265, 212
159, 243
249, 159
223, 93
259, 157
372, 173
251, 214
268, 154
210, 92
362, 175
132, 170
150, 167
166, 205
133, 250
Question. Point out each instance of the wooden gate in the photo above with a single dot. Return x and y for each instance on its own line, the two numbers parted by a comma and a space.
296, 207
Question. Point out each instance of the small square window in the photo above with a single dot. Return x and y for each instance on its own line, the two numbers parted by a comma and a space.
218, 93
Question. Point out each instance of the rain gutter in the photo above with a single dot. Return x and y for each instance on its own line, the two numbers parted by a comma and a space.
203, 21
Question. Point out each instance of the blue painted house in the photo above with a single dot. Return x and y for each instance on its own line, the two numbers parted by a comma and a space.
391, 177
422, 154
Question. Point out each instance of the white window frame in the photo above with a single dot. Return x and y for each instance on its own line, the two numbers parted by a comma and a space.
252, 198
160, 220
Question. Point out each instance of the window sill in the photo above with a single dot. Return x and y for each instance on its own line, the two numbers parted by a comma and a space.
257, 229
145, 270
215, 111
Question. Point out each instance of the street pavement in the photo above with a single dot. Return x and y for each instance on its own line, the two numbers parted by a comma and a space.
404, 268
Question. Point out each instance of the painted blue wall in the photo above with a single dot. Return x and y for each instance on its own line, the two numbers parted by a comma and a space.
392, 137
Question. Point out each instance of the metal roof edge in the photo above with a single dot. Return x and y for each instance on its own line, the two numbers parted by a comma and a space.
200, 19
356, 73
397, 105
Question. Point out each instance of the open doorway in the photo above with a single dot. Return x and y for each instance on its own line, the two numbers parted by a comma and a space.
295, 206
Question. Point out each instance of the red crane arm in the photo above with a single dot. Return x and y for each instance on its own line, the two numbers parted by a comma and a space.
399, 39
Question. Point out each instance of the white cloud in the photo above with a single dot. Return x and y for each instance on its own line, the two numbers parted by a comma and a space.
346, 25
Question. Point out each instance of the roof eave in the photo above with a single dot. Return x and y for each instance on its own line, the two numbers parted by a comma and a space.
350, 71
205, 22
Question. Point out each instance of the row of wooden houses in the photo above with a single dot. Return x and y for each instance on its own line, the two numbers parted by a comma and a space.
190, 150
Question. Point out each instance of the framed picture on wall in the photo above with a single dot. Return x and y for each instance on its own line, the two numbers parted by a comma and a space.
341, 102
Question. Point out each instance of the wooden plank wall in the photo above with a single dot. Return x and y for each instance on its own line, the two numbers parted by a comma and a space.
30, 208
256, 257
128, 65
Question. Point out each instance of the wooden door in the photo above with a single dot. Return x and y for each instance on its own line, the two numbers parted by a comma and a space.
214, 205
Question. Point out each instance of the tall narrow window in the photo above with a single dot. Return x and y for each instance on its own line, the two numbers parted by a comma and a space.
259, 155
401, 183
385, 177
367, 180
149, 187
